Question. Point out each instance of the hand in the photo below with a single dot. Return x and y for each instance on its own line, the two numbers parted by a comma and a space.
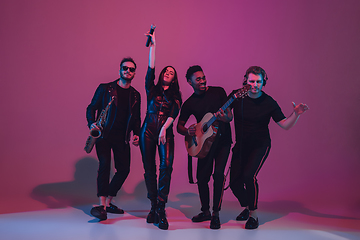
135, 140
162, 136
192, 130
300, 109
220, 114
242, 92
93, 125
153, 41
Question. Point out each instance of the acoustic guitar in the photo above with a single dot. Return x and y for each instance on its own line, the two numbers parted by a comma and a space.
205, 131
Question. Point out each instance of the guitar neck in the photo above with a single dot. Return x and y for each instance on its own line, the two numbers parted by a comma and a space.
225, 106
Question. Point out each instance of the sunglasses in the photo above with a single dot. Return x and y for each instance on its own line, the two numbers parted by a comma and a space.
125, 68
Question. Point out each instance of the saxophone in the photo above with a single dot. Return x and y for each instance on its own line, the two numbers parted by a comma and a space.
96, 131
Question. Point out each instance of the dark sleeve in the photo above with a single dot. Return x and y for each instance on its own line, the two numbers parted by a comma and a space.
137, 118
223, 96
149, 79
277, 115
229, 96
175, 108
185, 112
94, 105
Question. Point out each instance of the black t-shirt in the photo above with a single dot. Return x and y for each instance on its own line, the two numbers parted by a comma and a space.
210, 101
118, 130
253, 119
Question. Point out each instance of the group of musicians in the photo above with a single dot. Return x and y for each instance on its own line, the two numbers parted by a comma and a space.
251, 113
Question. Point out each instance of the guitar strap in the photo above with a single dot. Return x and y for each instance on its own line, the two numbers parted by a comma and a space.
190, 171
242, 131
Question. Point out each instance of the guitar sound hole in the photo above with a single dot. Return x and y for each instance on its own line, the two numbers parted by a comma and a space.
205, 128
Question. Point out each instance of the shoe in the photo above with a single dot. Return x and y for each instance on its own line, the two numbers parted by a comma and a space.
161, 221
201, 217
114, 209
244, 215
215, 222
151, 217
252, 223
99, 212
160, 217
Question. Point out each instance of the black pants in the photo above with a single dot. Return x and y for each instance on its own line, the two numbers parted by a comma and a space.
149, 135
246, 163
219, 154
122, 165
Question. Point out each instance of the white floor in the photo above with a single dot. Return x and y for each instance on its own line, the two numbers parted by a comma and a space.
77, 223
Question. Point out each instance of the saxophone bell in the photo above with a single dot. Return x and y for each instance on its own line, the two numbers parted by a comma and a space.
96, 128
95, 132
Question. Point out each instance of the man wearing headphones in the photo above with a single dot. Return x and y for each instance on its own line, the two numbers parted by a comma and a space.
252, 116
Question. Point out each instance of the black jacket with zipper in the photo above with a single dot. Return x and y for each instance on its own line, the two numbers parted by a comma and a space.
102, 97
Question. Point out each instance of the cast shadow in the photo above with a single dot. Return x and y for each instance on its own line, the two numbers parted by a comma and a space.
79, 193
274, 210
270, 211
188, 204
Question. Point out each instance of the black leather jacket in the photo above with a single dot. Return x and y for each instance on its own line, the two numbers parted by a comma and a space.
102, 97
160, 104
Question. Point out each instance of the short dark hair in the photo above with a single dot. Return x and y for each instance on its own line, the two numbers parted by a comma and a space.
257, 71
192, 70
128, 59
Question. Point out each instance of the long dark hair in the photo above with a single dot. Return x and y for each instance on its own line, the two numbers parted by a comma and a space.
174, 88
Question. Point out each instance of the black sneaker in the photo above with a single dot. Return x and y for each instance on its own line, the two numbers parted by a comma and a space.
161, 221
252, 223
151, 217
99, 212
114, 209
201, 217
244, 215
215, 222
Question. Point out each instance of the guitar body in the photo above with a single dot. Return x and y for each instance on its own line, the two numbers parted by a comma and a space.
200, 144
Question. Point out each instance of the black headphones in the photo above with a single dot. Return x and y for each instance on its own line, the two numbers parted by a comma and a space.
257, 71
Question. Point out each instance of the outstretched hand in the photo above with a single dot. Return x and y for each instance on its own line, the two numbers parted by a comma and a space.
300, 109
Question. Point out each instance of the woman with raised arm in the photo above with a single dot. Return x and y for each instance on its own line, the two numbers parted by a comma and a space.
163, 105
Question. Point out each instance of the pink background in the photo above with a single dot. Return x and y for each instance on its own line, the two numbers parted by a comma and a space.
55, 53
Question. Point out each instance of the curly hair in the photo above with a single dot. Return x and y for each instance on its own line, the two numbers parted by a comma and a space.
192, 70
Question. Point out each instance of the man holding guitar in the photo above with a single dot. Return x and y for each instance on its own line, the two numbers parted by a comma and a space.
205, 103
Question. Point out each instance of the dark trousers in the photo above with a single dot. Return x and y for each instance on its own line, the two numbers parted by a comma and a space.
148, 141
246, 163
219, 154
122, 165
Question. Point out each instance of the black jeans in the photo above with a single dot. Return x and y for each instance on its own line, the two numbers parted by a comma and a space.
122, 165
246, 163
149, 135
219, 154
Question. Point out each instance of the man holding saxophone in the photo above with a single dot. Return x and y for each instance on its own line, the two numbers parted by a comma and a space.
110, 130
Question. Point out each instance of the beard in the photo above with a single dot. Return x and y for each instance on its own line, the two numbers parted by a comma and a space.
128, 79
